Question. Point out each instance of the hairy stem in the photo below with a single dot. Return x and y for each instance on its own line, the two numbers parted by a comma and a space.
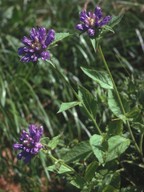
119, 99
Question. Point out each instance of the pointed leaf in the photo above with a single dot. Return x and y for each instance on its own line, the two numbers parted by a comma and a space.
93, 42
116, 146
107, 28
64, 169
96, 142
59, 168
115, 127
54, 142
78, 182
59, 37
87, 99
139, 126
90, 170
68, 105
115, 20
114, 105
79, 151
110, 188
100, 77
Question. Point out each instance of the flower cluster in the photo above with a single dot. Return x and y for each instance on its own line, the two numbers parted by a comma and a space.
29, 143
92, 21
36, 44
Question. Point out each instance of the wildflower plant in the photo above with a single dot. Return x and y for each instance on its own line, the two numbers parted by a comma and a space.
29, 143
36, 44
92, 21
101, 152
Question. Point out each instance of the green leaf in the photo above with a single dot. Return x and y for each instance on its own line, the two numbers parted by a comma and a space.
51, 168
112, 179
78, 182
115, 20
116, 180
96, 142
101, 77
60, 36
88, 100
59, 168
114, 105
90, 170
93, 42
13, 42
54, 142
78, 152
64, 169
132, 189
116, 146
43, 162
139, 126
110, 188
107, 28
115, 128
134, 113
68, 105
8, 13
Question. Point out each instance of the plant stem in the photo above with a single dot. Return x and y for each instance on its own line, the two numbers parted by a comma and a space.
141, 143
61, 162
119, 99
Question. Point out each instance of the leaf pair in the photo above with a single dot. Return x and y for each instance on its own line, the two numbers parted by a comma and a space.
106, 151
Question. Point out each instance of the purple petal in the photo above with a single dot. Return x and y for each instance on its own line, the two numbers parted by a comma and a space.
27, 158
105, 20
91, 32
36, 132
98, 12
27, 150
34, 57
50, 37
17, 146
38, 145
45, 55
20, 155
26, 58
33, 33
26, 49
26, 41
24, 135
83, 16
41, 130
42, 33
80, 27
21, 51
32, 130
36, 149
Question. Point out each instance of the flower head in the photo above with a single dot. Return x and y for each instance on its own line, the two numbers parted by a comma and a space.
29, 143
36, 44
91, 21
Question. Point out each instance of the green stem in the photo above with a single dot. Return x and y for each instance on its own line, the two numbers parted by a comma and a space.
76, 95
62, 162
141, 143
119, 99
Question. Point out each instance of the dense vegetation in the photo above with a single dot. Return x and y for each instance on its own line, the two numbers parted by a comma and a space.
31, 93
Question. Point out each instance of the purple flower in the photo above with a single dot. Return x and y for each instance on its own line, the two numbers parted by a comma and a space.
29, 143
36, 44
90, 21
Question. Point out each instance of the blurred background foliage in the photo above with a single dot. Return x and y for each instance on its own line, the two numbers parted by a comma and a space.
32, 93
